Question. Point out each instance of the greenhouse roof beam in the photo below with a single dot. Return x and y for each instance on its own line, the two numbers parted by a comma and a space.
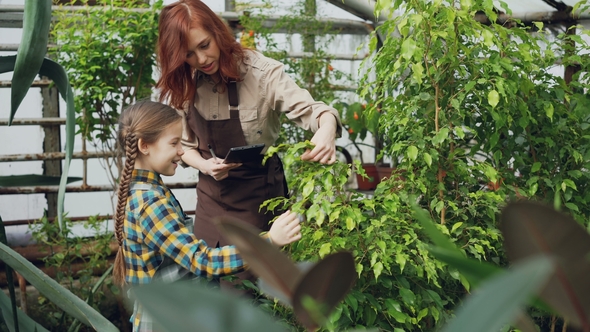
365, 9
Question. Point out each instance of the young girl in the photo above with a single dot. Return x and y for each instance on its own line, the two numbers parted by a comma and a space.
155, 236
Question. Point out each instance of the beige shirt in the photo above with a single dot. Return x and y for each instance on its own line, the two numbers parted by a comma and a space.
265, 92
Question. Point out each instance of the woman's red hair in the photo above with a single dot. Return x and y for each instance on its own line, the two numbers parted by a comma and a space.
177, 82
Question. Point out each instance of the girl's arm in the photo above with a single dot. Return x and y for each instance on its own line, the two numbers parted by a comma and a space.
163, 232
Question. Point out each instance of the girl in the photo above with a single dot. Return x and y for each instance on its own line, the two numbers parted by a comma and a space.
232, 96
150, 226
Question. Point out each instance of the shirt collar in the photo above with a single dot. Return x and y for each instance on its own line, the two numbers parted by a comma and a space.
142, 175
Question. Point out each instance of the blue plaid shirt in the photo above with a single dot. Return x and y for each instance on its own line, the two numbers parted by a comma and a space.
154, 228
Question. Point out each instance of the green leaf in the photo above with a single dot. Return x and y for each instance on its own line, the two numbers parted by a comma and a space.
31, 51
428, 159
475, 271
394, 310
56, 293
9, 279
56, 73
488, 38
536, 167
33, 180
407, 295
265, 259
498, 301
377, 269
493, 98
412, 152
433, 233
350, 224
189, 306
327, 284
549, 110
531, 229
325, 249
25, 322
408, 48
441, 136
456, 226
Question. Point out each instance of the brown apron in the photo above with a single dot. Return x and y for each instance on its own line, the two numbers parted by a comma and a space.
241, 193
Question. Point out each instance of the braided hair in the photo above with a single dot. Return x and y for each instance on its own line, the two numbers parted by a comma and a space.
145, 120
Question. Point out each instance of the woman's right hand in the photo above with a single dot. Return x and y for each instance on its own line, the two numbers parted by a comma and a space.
217, 169
285, 229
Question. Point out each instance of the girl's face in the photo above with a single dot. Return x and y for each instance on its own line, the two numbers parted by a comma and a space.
202, 52
163, 155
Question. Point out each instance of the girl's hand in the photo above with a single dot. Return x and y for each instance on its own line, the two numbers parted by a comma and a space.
217, 169
324, 140
285, 229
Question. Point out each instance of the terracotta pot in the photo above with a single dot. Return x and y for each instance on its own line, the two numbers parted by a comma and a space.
372, 181
384, 172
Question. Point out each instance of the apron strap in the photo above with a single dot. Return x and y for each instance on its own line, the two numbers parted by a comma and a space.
232, 95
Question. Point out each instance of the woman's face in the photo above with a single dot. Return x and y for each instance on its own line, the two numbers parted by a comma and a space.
202, 53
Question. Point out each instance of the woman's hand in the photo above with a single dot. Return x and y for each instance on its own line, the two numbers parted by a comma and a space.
285, 229
217, 169
324, 140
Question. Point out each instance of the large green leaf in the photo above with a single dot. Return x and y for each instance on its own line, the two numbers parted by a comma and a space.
475, 271
56, 293
31, 51
499, 300
190, 306
10, 281
326, 283
33, 180
56, 73
264, 259
433, 233
530, 229
25, 322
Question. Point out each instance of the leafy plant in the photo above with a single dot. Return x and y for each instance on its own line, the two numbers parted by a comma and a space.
108, 53
536, 237
27, 64
75, 260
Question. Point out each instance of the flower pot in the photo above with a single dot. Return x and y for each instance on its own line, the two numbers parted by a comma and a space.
384, 172
372, 181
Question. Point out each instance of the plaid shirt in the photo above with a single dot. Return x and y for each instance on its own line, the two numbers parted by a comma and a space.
154, 228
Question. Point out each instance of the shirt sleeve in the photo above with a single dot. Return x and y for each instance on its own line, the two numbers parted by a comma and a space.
189, 139
284, 95
163, 232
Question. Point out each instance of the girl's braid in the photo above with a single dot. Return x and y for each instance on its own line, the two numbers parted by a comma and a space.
123, 194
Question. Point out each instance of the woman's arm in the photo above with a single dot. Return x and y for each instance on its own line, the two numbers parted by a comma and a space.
284, 95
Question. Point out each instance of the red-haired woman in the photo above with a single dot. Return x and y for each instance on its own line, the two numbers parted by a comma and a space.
232, 96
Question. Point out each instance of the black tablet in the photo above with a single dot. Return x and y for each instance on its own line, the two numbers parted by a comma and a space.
244, 154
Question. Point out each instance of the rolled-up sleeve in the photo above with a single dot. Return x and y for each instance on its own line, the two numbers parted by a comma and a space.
189, 139
165, 234
284, 95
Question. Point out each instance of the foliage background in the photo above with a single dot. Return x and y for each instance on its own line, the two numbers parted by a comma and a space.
475, 115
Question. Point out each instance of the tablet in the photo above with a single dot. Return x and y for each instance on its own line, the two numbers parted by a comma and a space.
244, 154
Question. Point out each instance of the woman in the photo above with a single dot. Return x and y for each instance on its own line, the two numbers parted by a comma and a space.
232, 96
